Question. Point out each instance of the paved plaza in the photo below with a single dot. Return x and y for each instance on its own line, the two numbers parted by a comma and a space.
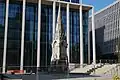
49, 76
76, 77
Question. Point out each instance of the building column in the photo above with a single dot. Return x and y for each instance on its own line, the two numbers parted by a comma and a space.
5, 37
68, 33
81, 36
39, 35
22, 36
93, 37
54, 17
89, 46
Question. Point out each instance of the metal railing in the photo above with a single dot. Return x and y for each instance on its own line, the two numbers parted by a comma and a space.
114, 71
109, 61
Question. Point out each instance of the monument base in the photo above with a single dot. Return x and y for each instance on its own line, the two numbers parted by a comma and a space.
59, 66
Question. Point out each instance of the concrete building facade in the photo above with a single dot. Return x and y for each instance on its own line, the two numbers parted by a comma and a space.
107, 31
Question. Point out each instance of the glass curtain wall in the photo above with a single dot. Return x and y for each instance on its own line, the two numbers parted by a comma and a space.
74, 1
14, 34
85, 34
31, 23
75, 36
2, 28
46, 36
30, 44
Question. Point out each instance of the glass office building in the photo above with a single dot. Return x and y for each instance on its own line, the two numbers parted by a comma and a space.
14, 31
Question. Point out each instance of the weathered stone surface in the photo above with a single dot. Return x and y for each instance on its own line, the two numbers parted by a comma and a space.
59, 59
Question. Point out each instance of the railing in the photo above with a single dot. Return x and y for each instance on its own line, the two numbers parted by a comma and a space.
114, 71
109, 61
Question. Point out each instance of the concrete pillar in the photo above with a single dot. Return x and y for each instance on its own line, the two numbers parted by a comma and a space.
39, 35
81, 36
54, 17
5, 36
68, 33
93, 37
22, 36
88, 46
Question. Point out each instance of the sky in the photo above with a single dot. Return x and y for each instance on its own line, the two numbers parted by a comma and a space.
98, 4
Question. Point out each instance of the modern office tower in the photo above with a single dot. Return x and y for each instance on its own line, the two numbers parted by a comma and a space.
27, 28
107, 27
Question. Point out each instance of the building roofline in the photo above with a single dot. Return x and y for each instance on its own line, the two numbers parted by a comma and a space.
71, 3
105, 8
64, 3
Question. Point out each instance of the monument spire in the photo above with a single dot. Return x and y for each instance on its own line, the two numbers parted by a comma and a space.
56, 41
59, 46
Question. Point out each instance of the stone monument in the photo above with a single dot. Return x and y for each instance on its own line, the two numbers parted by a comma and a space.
59, 59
